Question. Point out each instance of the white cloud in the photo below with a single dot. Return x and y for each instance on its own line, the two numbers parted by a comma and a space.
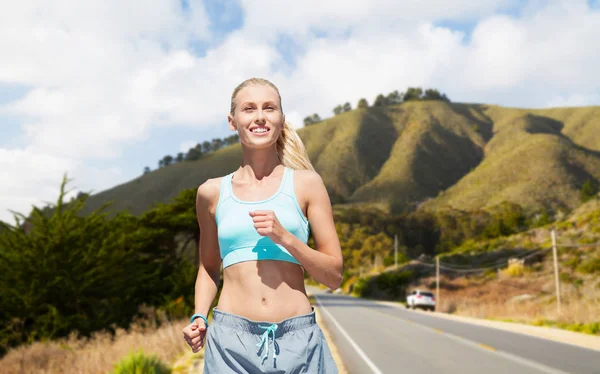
102, 72
80, 60
29, 177
510, 60
268, 17
185, 146
572, 100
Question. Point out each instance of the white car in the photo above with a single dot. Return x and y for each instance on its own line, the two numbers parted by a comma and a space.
421, 299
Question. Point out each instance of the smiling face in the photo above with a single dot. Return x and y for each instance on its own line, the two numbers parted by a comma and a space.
257, 116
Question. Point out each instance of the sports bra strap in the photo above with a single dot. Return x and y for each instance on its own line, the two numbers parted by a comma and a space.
288, 182
225, 188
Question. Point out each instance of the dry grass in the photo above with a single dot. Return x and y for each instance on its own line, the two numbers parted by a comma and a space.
530, 298
101, 352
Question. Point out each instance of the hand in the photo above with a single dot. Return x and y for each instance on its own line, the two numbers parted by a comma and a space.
194, 334
267, 224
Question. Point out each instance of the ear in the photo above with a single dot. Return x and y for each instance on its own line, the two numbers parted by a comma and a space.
283, 122
232, 126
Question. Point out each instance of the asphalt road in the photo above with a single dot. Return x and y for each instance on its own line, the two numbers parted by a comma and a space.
377, 338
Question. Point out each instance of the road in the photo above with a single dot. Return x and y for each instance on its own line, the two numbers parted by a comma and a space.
377, 338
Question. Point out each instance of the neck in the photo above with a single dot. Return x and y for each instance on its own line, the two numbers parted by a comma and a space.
260, 162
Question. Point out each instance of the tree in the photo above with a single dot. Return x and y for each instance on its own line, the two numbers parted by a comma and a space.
217, 144
338, 110
161, 163
179, 157
233, 139
394, 98
311, 120
432, 94
413, 93
96, 272
363, 103
380, 100
194, 153
167, 160
588, 191
146, 170
347, 107
206, 147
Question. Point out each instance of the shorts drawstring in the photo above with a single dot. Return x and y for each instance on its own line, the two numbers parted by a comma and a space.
265, 338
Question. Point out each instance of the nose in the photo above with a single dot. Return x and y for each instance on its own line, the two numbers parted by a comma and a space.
260, 118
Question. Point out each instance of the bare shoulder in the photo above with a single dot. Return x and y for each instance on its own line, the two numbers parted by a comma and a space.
308, 178
309, 186
208, 192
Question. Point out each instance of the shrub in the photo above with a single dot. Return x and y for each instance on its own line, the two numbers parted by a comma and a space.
515, 270
141, 363
489, 274
360, 286
590, 265
572, 262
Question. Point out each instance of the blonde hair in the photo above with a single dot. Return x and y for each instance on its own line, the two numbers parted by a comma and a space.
290, 149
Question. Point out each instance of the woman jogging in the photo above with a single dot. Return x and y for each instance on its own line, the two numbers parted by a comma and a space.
255, 222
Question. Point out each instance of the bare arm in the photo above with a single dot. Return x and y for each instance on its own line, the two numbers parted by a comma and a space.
208, 278
324, 264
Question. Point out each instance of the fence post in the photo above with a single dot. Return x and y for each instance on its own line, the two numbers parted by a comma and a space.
396, 251
556, 277
437, 280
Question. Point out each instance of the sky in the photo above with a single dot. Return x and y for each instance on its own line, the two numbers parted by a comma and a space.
100, 89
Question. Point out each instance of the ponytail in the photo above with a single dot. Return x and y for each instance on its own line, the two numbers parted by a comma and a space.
291, 150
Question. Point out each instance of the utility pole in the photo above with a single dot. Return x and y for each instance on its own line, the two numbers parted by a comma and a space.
437, 280
396, 251
556, 278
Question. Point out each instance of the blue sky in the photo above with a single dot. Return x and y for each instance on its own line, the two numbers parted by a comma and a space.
102, 89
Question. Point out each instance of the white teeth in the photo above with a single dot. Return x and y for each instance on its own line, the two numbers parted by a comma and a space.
259, 129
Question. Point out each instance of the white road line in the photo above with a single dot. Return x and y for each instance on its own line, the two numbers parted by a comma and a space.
506, 355
352, 343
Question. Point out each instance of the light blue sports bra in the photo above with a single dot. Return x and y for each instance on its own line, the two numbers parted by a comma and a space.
238, 239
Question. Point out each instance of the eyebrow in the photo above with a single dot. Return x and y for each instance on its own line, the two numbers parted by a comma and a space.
265, 103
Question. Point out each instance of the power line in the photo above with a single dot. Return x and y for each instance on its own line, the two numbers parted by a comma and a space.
597, 244
500, 262
479, 269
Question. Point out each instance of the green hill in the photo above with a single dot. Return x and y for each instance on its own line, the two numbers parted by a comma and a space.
531, 161
422, 153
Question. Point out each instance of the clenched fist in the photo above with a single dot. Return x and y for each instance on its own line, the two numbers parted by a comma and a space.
194, 334
267, 224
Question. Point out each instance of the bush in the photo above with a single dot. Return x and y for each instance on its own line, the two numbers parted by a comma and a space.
515, 270
360, 286
387, 285
489, 274
141, 363
590, 266
588, 191
64, 271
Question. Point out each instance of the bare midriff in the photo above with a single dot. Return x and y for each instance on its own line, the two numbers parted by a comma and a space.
265, 290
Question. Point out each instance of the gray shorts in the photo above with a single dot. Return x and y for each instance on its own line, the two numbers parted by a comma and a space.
236, 344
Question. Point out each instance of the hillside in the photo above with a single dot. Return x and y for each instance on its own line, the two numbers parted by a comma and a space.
529, 160
423, 153
476, 278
